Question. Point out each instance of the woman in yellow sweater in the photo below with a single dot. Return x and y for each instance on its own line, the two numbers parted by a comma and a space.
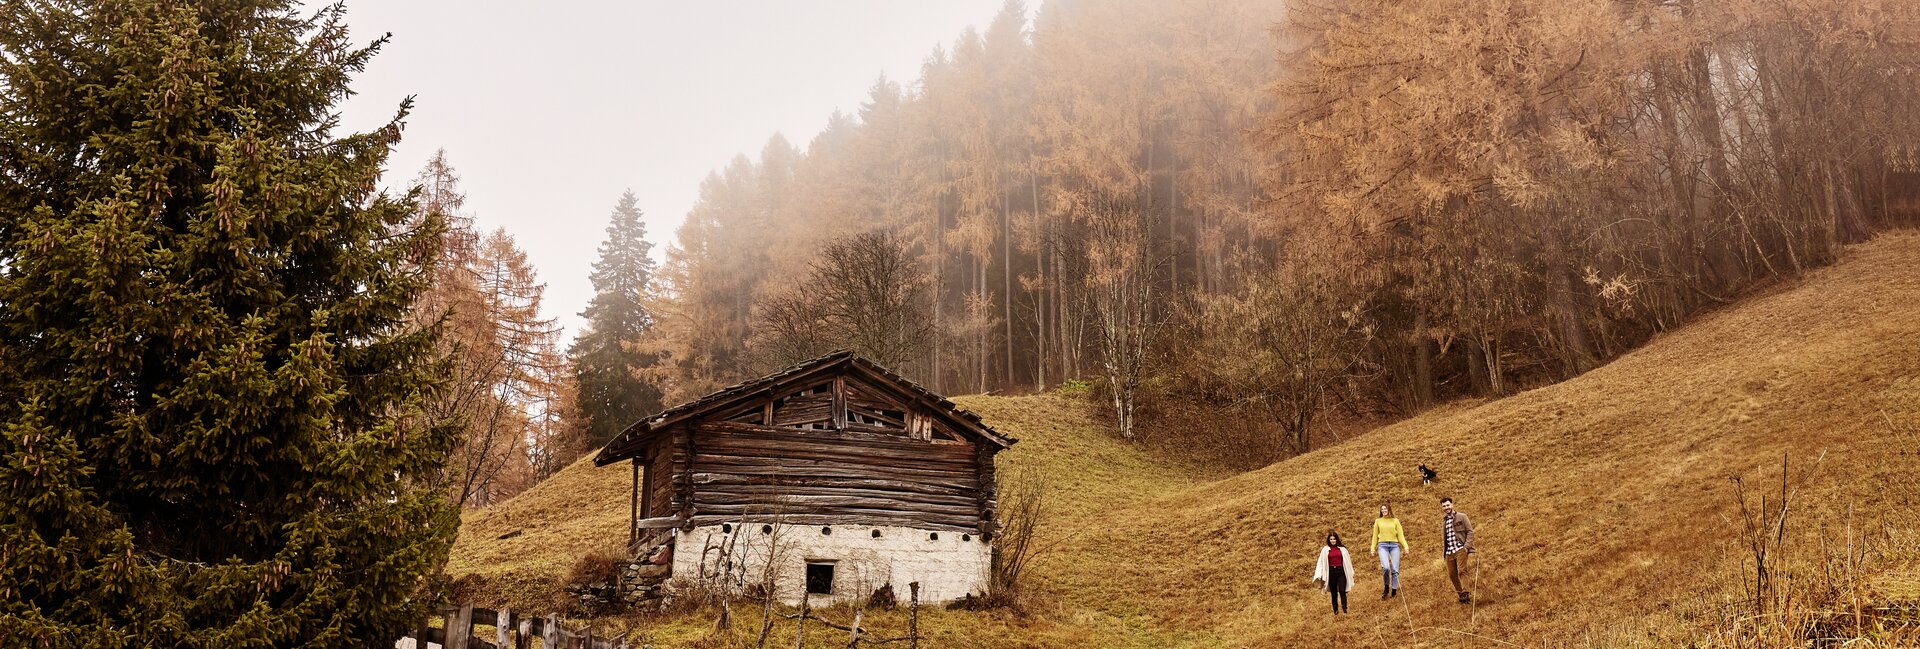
1389, 540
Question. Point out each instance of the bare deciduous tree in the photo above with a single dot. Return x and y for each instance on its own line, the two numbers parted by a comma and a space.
1122, 290
1282, 344
866, 293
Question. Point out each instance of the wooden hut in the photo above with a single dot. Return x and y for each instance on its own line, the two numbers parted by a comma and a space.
842, 473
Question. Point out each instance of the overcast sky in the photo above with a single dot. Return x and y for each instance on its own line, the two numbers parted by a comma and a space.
548, 110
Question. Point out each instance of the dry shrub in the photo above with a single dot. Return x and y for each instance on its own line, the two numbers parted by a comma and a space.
1182, 420
1209, 434
596, 567
883, 598
1814, 587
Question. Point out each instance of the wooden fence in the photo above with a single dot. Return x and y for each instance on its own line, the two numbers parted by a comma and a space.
510, 631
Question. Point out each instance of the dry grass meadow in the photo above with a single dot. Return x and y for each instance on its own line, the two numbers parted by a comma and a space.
1605, 505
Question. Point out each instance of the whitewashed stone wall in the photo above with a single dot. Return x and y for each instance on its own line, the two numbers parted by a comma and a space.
948, 567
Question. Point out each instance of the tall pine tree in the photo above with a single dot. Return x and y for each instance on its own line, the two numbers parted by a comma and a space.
209, 398
606, 365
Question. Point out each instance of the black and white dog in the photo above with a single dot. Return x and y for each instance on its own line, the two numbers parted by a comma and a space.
1427, 476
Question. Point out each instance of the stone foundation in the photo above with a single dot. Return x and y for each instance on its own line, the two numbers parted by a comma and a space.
638, 584
862, 558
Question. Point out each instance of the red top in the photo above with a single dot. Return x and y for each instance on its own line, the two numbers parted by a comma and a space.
1336, 558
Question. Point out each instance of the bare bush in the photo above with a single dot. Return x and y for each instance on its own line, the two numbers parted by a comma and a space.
1024, 515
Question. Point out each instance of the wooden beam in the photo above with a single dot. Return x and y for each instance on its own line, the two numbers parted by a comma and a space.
659, 523
633, 506
683, 483
840, 403
646, 489
989, 490
948, 524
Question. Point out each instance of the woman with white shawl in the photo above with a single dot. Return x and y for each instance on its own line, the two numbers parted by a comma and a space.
1334, 574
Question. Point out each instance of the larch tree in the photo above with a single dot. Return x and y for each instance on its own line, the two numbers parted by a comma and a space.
505, 356
213, 430
500, 351
608, 367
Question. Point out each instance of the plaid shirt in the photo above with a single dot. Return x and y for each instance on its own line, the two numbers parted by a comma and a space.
1453, 540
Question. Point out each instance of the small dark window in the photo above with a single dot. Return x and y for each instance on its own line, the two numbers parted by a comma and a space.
726, 528
933, 536
820, 578
966, 537
826, 530
766, 529
876, 534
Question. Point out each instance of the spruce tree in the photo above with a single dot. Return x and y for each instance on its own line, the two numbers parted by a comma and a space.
607, 367
208, 394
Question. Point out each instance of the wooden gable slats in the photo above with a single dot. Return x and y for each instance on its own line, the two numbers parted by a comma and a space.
798, 413
868, 395
876, 417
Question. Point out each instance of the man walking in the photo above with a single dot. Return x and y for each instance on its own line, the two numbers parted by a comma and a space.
1458, 532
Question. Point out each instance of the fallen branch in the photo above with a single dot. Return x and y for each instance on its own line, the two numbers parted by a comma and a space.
1464, 633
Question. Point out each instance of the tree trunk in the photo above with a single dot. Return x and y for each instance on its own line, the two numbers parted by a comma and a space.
1006, 280
1422, 362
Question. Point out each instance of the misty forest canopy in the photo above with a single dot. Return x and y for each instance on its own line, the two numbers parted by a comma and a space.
1265, 210
211, 433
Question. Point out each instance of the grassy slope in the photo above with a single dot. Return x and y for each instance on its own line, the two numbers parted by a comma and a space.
1601, 502
1597, 501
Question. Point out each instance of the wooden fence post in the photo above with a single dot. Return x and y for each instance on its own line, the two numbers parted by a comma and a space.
800, 625
503, 628
459, 627
913, 615
512, 631
854, 641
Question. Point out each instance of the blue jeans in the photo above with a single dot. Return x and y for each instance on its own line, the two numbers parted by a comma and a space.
1390, 563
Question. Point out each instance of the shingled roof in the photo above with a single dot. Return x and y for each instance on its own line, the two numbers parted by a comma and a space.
628, 443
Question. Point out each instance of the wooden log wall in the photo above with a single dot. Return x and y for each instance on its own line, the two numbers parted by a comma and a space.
833, 477
667, 459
